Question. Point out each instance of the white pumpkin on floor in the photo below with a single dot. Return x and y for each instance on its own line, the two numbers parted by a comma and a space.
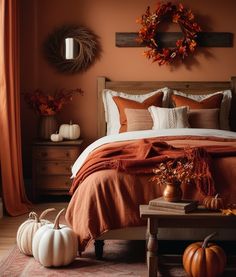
27, 229
55, 245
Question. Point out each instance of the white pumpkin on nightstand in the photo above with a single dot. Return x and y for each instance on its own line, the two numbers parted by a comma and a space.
56, 137
70, 131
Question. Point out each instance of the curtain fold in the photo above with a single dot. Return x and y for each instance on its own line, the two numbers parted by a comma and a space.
13, 190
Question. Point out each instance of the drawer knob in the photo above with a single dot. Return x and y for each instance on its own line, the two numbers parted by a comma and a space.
67, 154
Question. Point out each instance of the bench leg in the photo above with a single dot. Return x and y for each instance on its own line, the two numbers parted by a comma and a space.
152, 247
99, 248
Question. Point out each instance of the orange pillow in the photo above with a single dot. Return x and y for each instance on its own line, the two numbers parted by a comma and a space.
123, 103
204, 118
212, 102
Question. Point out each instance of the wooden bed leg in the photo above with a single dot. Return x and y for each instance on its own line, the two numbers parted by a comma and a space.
99, 248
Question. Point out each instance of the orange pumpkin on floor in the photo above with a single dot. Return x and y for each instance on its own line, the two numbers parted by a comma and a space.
213, 202
203, 259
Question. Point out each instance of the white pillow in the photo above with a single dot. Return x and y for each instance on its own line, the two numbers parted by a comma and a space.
164, 118
224, 108
112, 116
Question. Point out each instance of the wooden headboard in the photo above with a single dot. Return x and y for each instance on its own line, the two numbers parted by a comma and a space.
141, 87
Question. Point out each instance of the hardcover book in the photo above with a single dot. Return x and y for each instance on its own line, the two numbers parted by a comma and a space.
182, 206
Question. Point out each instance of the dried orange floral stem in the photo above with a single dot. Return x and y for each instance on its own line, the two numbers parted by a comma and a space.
47, 104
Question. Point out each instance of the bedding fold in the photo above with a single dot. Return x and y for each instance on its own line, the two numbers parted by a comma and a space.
141, 156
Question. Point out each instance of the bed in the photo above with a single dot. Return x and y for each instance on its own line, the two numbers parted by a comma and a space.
105, 216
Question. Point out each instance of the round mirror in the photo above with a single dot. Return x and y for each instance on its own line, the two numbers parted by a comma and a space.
72, 49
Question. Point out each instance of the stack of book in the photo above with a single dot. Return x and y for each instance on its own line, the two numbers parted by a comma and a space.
180, 207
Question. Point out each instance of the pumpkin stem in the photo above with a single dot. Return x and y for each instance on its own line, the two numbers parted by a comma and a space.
56, 222
34, 216
70, 122
46, 212
205, 242
217, 195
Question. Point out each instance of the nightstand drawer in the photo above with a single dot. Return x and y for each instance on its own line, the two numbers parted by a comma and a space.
51, 168
55, 153
54, 168
53, 183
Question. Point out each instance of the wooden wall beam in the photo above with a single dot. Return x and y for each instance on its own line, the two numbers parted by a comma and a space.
168, 39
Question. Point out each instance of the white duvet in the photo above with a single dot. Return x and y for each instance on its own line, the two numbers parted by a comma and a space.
147, 134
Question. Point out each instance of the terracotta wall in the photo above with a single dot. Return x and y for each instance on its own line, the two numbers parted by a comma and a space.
105, 17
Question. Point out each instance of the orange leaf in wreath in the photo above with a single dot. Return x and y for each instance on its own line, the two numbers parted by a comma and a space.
190, 15
179, 42
166, 52
196, 27
181, 7
192, 45
176, 18
182, 49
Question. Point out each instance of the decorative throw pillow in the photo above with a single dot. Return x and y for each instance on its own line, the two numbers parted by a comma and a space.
111, 111
213, 102
204, 118
122, 104
138, 119
224, 108
164, 118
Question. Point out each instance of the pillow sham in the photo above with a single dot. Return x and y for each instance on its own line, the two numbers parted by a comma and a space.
212, 102
111, 111
122, 104
206, 119
138, 119
224, 108
166, 118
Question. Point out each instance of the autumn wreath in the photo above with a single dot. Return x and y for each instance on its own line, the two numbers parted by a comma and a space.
151, 21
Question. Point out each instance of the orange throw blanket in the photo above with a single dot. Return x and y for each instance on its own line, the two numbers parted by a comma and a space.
141, 156
105, 198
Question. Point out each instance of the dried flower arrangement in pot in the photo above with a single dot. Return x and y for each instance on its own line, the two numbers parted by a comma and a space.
174, 172
47, 106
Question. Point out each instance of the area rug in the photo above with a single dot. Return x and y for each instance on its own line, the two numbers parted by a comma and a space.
121, 258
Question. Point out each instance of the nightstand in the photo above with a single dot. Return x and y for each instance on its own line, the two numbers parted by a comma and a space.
52, 163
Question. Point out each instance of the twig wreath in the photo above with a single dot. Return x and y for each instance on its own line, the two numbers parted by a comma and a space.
88, 48
150, 22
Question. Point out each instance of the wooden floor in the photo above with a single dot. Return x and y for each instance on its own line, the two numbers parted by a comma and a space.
9, 225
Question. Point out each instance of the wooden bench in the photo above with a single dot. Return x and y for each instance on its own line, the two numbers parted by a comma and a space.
159, 219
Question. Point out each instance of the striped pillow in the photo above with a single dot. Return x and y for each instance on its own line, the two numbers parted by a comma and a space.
138, 119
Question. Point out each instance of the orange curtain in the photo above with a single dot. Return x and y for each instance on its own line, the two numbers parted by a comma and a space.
13, 191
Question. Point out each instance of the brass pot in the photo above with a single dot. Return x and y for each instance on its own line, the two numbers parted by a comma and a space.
172, 192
